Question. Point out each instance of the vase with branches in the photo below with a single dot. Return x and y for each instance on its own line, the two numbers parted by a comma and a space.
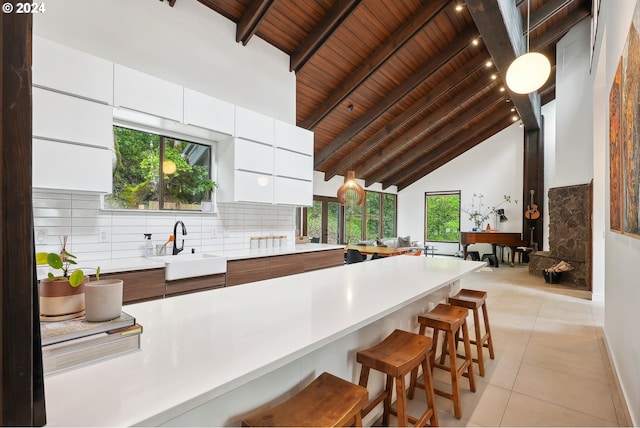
479, 212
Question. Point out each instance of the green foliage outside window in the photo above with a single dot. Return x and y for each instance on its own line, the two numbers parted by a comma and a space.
141, 178
443, 217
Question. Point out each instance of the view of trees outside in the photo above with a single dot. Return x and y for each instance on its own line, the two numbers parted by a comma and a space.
353, 224
142, 157
314, 220
389, 217
443, 217
373, 215
333, 223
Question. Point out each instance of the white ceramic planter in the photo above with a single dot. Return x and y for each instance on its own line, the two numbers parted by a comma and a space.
103, 299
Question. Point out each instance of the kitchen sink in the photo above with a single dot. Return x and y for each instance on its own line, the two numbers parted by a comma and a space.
190, 265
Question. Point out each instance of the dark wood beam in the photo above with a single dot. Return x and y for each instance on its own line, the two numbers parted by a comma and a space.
21, 378
377, 141
374, 61
545, 12
391, 151
399, 92
555, 33
460, 144
500, 25
429, 142
321, 32
248, 24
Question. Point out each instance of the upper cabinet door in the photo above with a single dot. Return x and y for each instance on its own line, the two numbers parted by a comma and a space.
256, 157
65, 118
148, 94
254, 126
208, 112
293, 138
64, 69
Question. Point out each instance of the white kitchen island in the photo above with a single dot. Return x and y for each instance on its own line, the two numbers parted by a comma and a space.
207, 358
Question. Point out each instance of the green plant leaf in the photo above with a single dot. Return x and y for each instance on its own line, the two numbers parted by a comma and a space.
54, 260
76, 278
98, 274
41, 258
51, 276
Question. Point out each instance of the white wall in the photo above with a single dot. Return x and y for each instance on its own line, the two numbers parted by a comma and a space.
574, 133
188, 44
549, 114
622, 270
492, 168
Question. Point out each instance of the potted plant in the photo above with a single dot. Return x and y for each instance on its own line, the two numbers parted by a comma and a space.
207, 188
478, 213
61, 296
71, 295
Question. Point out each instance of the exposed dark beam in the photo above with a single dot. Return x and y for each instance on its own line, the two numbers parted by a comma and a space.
250, 19
425, 126
374, 61
462, 143
430, 142
545, 12
321, 32
500, 25
377, 141
399, 92
553, 34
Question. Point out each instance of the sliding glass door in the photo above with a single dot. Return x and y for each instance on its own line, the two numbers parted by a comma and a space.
323, 220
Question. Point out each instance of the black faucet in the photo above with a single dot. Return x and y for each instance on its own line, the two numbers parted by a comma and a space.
176, 250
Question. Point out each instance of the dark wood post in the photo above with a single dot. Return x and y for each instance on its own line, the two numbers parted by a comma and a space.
21, 379
533, 180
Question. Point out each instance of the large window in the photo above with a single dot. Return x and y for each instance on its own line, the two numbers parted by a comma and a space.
155, 172
442, 216
328, 221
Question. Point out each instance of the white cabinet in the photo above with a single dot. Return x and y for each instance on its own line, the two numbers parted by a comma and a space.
256, 157
208, 112
254, 126
293, 138
293, 165
290, 191
68, 70
58, 165
253, 187
141, 92
66, 118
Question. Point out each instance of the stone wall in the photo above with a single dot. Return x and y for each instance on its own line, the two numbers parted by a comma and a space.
569, 235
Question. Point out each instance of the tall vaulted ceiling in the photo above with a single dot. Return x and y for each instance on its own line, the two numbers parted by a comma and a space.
393, 89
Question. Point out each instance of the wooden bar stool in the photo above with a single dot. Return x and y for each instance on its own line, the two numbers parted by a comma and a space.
328, 401
449, 319
396, 356
474, 300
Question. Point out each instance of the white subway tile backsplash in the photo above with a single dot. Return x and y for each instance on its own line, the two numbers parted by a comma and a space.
79, 217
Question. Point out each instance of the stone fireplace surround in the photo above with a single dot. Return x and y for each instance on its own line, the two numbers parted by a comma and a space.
570, 235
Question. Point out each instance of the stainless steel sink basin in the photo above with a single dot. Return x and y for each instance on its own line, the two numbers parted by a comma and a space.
183, 266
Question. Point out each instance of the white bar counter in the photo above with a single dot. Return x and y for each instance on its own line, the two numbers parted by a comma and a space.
208, 357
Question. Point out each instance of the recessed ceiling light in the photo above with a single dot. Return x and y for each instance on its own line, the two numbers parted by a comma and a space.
475, 42
494, 76
458, 7
502, 89
488, 64
514, 118
513, 109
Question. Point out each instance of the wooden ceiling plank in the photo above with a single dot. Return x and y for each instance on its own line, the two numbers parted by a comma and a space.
414, 110
374, 61
432, 121
458, 147
545, 12
250, 19
500, 26
430, 142
399, 92
321, 32
555, 33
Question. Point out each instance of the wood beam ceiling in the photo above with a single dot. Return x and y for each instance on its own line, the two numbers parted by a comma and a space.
250, 19
321, 32
375, 60
399, 92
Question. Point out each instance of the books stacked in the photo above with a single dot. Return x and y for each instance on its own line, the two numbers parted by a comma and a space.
77, 342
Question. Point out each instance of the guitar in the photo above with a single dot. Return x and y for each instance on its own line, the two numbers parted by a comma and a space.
532, 212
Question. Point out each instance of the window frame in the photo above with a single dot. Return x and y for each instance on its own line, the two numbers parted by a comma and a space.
426, 218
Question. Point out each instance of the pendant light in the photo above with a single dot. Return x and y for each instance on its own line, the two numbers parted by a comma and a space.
350, 194
530, 71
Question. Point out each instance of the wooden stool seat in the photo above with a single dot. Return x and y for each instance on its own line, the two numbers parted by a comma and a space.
449, 319
396, 356
326, 402
474, 300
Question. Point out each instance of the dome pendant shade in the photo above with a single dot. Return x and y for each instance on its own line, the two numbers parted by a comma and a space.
528, 73
350, 194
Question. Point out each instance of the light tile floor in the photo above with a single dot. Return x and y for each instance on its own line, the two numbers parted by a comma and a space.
551, 366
